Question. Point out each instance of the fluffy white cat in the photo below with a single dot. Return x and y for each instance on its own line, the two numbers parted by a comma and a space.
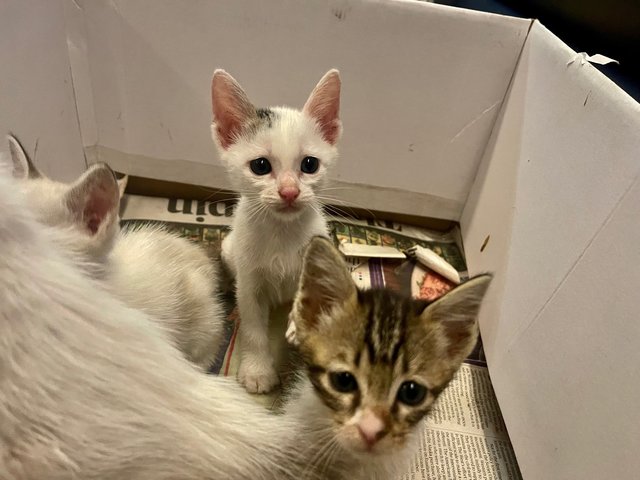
277, 159
166, 276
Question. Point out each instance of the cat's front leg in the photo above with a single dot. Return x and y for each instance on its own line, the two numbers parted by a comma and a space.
226, 254
256, 372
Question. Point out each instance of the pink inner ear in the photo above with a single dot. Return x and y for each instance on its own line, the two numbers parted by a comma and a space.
97, 208
227, 132
324, 107
325, 111
231, 108
228, 123
331, 131
93, 223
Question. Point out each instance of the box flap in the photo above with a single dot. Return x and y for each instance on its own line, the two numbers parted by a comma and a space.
562, 159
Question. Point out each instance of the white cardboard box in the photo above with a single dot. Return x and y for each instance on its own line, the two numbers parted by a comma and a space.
448, 113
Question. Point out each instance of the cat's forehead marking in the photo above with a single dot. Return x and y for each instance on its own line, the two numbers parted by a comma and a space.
263, 120
379, 378
266, 116
385, 326
284, 136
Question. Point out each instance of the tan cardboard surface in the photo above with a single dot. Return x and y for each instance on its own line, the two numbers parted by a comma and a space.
422, 84
37, 99
562, 159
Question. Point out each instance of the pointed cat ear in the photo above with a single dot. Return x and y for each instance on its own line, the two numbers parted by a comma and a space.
122, 185
94, 199
457, 312
323, 106
23, 168
325, 283
231, 109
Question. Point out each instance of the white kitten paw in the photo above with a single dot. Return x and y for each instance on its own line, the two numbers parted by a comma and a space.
257, 378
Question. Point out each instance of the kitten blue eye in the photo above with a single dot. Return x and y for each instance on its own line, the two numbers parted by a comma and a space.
343, 382
309, 165
260, 166
411, 393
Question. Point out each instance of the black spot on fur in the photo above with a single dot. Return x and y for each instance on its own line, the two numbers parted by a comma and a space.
266, 115
368, 335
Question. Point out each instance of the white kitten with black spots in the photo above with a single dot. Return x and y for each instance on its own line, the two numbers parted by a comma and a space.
278, 159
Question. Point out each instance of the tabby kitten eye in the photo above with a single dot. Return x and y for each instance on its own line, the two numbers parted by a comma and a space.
411, 393
260, 166
343, 382
309, 165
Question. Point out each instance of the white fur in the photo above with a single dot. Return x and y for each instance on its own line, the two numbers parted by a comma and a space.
46, 199
91, 389
266, 256
175, 283
264, 249
166, 276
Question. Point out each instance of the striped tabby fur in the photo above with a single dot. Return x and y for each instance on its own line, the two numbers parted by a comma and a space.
371, 355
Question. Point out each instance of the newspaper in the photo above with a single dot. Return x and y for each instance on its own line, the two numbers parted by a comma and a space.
464, 436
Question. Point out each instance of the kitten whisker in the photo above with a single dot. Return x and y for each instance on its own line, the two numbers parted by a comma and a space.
256, 214
327, 442
256, 210
336, 215
343, 204
337, 212
336, 199
329, 459
210, 191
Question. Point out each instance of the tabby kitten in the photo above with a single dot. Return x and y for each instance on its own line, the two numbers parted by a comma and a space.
377, 361
277, 159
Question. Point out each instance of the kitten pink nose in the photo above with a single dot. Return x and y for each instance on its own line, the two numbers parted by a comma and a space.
289, 194
371, 428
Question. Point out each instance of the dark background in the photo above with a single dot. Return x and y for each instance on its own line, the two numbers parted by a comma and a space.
608, 27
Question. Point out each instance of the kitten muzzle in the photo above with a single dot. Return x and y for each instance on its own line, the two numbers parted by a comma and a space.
289, 194
371, 429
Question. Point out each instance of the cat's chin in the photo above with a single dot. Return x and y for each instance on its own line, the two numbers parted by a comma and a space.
288, 212
377, 453
361, 451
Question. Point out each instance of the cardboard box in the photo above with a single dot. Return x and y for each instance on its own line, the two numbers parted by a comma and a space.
448, 113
